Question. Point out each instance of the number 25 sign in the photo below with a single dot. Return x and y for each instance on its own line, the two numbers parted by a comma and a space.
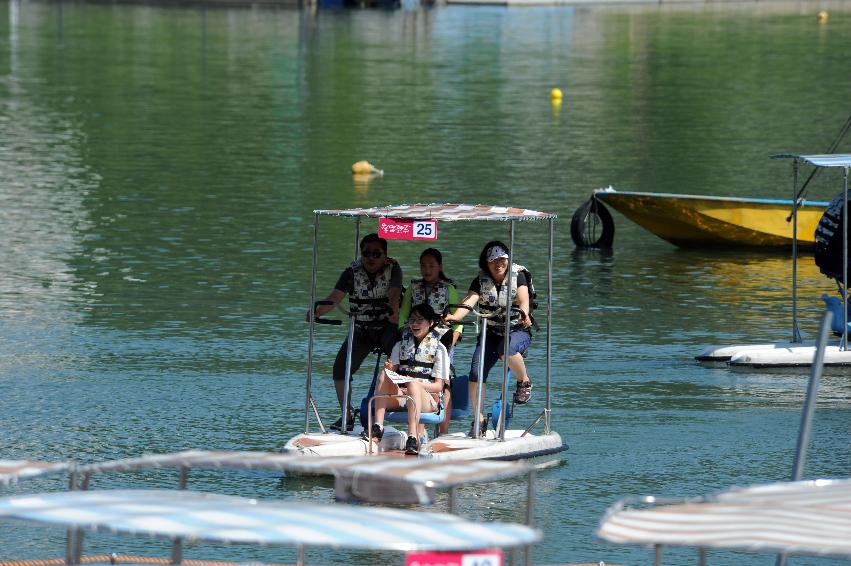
407, 229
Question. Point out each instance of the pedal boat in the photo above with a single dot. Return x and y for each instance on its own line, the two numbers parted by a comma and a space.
795, 352
500, 443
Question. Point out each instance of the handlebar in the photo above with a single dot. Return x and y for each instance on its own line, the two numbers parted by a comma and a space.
318, 320
480, 314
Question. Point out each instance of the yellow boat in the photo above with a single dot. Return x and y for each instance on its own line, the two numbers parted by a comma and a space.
691, 221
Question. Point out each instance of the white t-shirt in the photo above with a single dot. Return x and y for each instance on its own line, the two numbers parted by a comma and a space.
441, 361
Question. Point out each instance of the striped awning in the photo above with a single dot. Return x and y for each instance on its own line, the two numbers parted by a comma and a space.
444, 212
829, 160
430, 473
11, 471
807, 517
219, 518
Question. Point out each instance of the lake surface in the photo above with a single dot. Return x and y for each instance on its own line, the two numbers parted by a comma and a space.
160, 169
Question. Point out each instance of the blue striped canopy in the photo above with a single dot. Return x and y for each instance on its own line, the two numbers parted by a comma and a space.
829, 160
220, 518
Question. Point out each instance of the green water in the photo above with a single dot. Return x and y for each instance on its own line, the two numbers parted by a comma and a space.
159, 172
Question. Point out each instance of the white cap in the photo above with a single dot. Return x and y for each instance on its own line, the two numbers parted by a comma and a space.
496, 253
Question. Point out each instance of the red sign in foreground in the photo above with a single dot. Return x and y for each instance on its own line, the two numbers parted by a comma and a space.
407, 230
478, 558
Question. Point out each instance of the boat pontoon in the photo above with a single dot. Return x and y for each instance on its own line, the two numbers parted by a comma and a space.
502, 443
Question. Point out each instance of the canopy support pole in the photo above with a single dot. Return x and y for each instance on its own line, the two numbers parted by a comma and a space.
548, 406
312, 309
844, 345
530, 512
809, 407
347, 384
506, 337
796, 332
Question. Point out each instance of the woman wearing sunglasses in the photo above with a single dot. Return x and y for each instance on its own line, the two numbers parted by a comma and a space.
423, 364
374, 286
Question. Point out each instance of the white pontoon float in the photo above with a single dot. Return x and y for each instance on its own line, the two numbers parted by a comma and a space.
503, 444
13, 471
205, 517
796, 352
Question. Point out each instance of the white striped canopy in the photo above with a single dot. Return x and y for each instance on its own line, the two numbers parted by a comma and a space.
806, 517
429, 473
444, 212
220, 518
13, 470
828, 160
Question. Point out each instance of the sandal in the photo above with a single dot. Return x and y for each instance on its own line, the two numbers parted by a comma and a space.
377, 433
482, 428
412, 447
523, 392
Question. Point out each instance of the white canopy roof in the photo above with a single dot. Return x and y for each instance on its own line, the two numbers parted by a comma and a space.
808, 517
431, 473
830, 160
13, 470
444, 212
219, 518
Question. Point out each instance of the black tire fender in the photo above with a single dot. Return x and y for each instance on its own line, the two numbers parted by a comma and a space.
592, 225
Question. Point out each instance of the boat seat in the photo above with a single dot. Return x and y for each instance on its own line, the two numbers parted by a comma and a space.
401, 416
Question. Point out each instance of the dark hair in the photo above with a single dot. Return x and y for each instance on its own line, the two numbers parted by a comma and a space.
425, 311
371, 239
438, 257
483, 257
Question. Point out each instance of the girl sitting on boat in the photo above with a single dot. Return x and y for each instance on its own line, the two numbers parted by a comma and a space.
436, 290
419, 368
489, 292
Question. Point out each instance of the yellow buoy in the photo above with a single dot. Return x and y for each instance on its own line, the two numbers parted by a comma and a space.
365, 168
555, 94
822, 17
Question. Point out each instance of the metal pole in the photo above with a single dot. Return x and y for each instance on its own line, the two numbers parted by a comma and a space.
844, 345
810, 400
809, 407
309, 383
453, 500
548, 407
657, 558
300, 555
701, 556
480, 383
506, 338
347, 384
796, 333
530, 511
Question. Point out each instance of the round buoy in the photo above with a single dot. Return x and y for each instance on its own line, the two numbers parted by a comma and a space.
556, 94
592, 226
364, 167
822, 17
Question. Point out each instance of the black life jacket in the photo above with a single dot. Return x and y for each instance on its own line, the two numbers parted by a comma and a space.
828, 253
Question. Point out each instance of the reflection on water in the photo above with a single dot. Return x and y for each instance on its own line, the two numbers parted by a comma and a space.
161, 167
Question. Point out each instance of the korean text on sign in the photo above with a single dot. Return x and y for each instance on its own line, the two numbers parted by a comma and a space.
407, 230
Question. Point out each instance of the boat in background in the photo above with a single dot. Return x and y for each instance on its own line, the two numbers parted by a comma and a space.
694, 221
794, 353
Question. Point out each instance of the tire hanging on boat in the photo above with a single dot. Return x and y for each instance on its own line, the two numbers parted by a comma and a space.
592, 225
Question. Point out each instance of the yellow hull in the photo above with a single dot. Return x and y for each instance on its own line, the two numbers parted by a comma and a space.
697, 221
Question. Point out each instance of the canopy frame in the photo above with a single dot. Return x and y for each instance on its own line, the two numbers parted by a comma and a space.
446, 212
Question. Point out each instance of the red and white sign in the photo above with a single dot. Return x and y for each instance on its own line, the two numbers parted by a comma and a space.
478, 558
407, 229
